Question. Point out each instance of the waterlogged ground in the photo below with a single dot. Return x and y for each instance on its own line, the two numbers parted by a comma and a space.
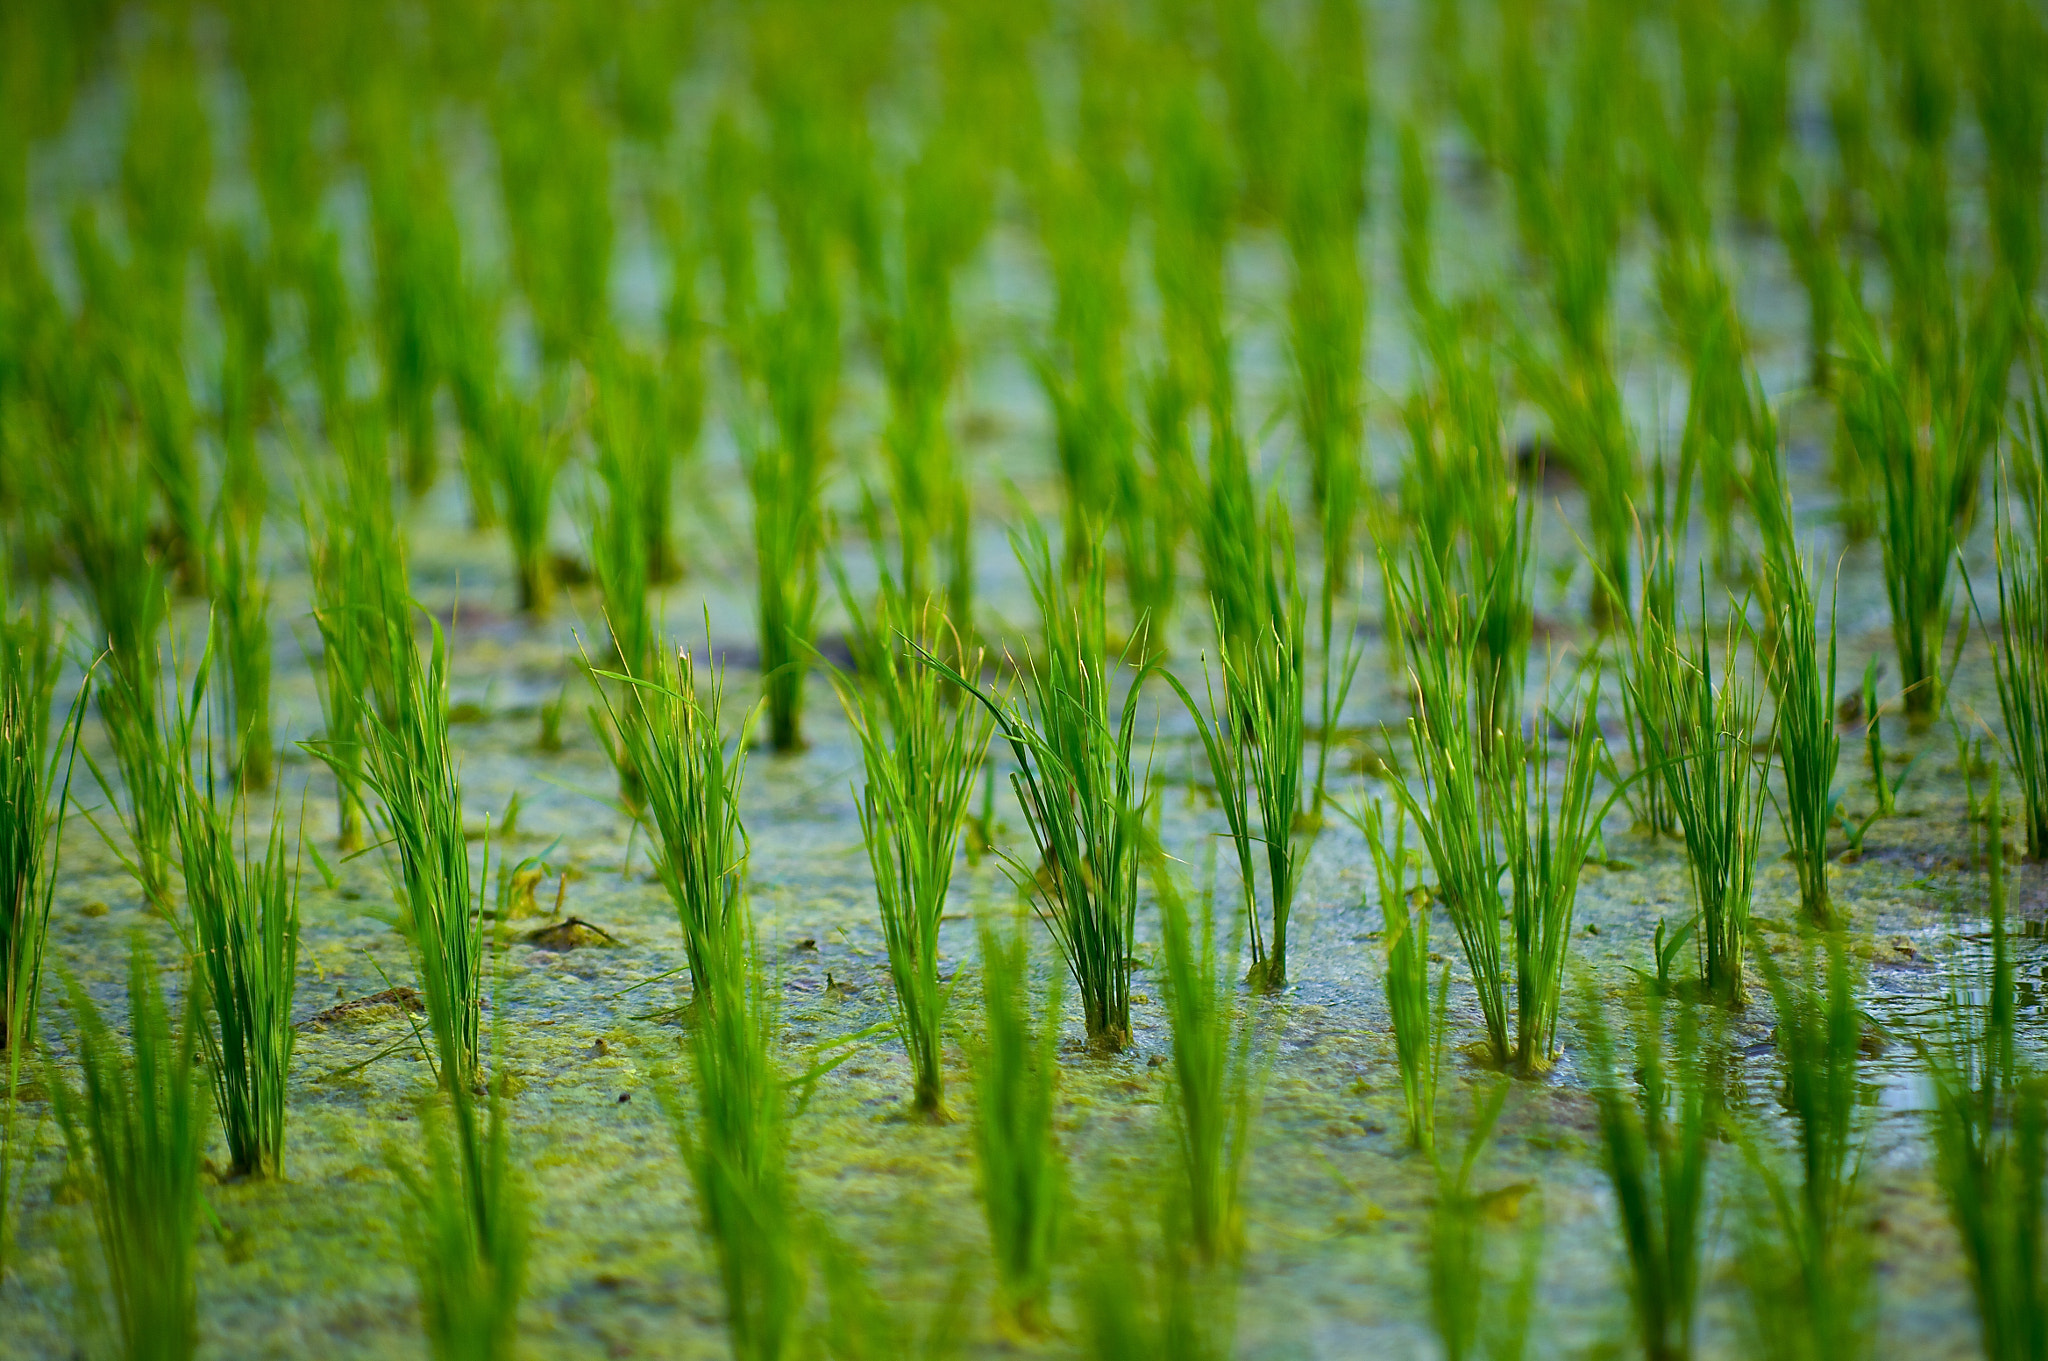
1337, 1207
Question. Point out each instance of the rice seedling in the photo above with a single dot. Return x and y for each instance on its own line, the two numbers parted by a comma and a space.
1545, 849
1928, 437
690, 779
1805, 1250
464, 1220
29, 849
1655, 1142
1022, 1170
1702, 751
1802, 685
242, 612
633, 468
860, 1325
2018, 657
1255, 743
798, 357
1811, 248
2007, 41
524, 452
1989, 1124
103, 514
1458, 822
1655, 653
358, 572
408, 766
243, 388
1418, 1023
921, 751
1077, 789
736, 1144
135, 1131
1214, 1080
554, 173
1472, 1309
243, 937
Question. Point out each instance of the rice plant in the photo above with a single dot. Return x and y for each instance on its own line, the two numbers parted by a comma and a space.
798, 357
29, 850
1801, 683
244, 942
1150, 1296
690, 778
1656, 1130
2019, 657
104, 521
1990, 1129
135, 1132
1022, 1172
358, 573
524, 454
464, 1221
1215, 1085
1545, 849
625, 534
1928, 436
408, 766
1806, 1237
1077, 789
1459, 823
921, 751
1254, 744
242, 609
1474, 1310
1418, 1022
1702, 751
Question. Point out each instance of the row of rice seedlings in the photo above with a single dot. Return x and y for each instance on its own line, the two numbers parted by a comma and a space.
1475, 1308
1929, 444
134, 1134
1022, 1172
1075, 783
1701, 750
2018, 657
1656, 1138
1989, 1124
1805, 1240
408, 765
242, 932
689, 777
242, 611
1418, 1022
736, 1144
1214, 1075
1801, 683
921, 751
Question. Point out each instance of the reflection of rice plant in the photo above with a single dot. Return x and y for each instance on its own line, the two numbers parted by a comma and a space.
1990, 1130
922, 749
1023, 1173
1079, 795
138, 1125
1655, 1129
1806, 1249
